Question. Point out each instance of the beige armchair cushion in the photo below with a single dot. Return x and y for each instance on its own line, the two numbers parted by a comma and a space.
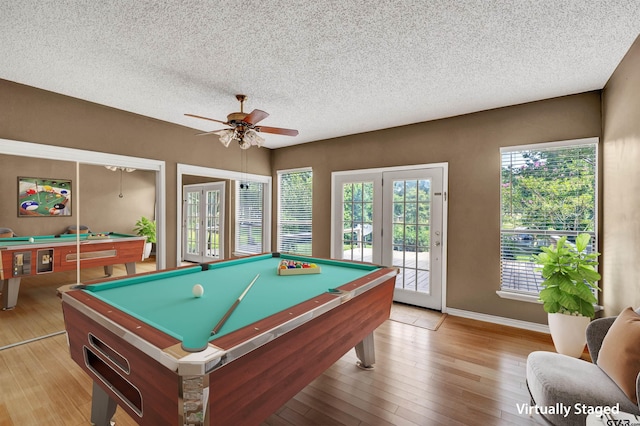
619, 355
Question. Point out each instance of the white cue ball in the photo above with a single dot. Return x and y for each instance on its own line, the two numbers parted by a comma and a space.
31, 239
198, 290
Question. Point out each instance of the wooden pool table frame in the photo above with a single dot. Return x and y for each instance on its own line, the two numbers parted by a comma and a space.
242, 379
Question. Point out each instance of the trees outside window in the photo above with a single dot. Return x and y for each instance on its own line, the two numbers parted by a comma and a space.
294, 211
547, 191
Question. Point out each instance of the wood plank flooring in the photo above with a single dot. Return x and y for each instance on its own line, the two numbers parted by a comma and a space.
465, 373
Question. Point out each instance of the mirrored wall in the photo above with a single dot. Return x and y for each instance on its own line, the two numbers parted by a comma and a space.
56, 200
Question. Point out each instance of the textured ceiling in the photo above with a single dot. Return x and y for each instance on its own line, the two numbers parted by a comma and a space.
326, 68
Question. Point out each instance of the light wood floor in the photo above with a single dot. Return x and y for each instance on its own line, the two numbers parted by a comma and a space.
465, 373
38, 312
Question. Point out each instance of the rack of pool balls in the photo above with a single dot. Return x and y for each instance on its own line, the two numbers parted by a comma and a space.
294, 267
100, 236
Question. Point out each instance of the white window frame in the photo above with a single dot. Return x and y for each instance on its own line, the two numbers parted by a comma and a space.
514, 294
279, 222
266, 203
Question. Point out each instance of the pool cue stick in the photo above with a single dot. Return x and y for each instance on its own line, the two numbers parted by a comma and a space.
38, 192
232, 308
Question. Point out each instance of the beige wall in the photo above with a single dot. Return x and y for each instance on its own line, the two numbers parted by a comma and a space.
32, 115
621, 185
470, 144
101, 208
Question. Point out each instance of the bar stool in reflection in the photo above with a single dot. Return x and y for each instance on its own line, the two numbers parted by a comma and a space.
6, 233
73, 229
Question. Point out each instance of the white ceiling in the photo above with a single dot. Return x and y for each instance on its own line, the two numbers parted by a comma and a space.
326, 68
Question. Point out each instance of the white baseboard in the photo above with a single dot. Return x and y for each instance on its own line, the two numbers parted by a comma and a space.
532, 326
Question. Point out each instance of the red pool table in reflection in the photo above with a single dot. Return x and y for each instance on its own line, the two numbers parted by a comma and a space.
44, 254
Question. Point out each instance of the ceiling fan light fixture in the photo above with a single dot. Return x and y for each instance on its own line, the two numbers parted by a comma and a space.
253, 138
226, 136
116, 168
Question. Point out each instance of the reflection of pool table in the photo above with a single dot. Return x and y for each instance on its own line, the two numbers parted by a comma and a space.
56, 253
130, 335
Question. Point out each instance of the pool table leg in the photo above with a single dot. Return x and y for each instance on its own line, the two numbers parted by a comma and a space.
10, 289
103, 407
131, 268
365, 352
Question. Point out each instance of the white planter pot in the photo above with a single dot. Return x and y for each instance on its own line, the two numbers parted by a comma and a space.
568, 333
147, 250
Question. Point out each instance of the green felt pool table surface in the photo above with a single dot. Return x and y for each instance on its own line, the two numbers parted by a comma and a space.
54, 239
165, 300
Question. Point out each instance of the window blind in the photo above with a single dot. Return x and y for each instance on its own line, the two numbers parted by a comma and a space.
249, 217
294, 211
547, 191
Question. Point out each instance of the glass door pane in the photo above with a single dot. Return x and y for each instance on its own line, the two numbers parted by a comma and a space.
357, 221
356, 216
411, 205
213, 224
192, 225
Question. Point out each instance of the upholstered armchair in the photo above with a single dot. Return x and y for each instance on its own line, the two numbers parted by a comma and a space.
558, 382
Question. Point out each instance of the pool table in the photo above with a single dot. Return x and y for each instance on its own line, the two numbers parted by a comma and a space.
146, 340
28, 256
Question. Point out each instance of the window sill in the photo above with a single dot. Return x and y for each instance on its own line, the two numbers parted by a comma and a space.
522, 297
243, 254
530, 298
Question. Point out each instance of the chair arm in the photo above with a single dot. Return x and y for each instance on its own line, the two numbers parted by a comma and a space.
596, 330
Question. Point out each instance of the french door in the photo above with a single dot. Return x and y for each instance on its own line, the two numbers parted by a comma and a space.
203, 222
394, 218
412, 238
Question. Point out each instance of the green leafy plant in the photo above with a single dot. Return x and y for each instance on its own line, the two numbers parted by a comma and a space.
570, 277
146, 228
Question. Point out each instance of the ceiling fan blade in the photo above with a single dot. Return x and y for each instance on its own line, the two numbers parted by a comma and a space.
277, 131
207, 118
209, 133
255, 116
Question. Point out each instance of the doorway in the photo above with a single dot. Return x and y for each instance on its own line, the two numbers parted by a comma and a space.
237, 223
203, 222
395, 217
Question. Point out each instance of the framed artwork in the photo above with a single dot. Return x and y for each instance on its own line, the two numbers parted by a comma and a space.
39, 197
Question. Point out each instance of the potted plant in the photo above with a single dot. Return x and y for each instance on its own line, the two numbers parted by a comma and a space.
146, 228
568, 295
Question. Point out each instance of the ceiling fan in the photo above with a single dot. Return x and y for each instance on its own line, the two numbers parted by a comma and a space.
244, 128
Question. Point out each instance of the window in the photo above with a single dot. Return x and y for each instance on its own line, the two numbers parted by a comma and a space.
294, 211
249, 217
547, 191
